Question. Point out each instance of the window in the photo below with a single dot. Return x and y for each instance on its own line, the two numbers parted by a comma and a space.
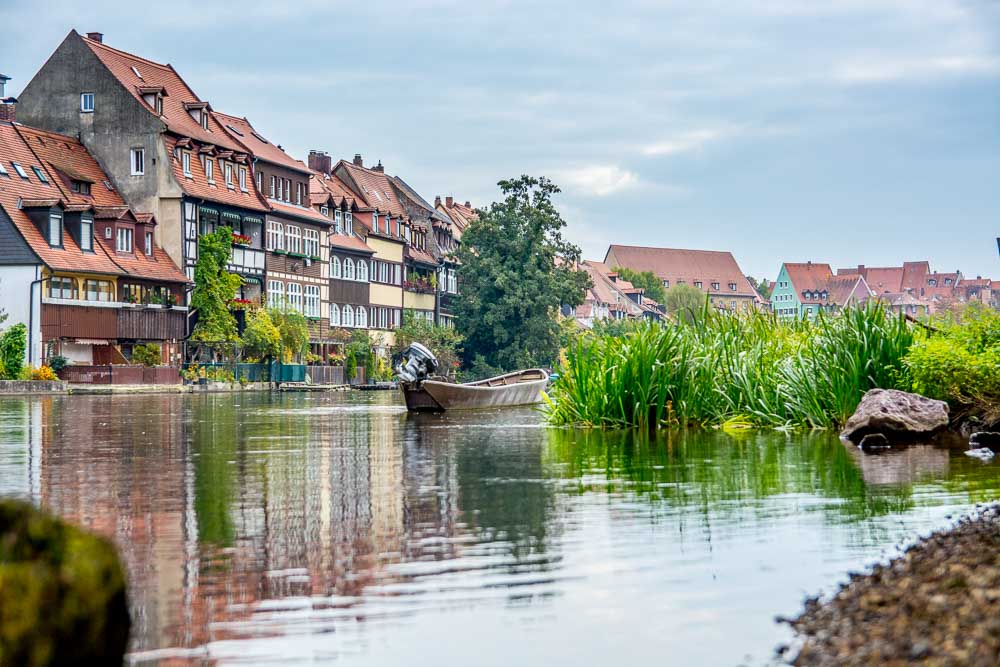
732, 304
229, 175
732, 287
697, 284
348, 316
362, 271
310, 243
87, 102
337, 221
186, 162
361, 318
375, 222
334, 315
348, 269
298, 194
260, 181
666, 284
20, 170
86, 233
275, 293
149, 243
325, 211
108, 232
312, 301
348, 223
335, 267
3, 171
295, 296
397, 274
124, 240
210, 169
138, 161
62, 288
715, 286
288, 190
273, 186
97, 290
55, 229
243, 179
275, 238
81, 187
293, 239
452, 281
40, 175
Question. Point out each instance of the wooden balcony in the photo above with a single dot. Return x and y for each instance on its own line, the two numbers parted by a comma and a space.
101, 320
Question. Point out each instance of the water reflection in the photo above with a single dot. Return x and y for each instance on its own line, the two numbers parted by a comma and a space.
272, 528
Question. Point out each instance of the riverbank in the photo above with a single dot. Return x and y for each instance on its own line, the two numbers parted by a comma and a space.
935, 604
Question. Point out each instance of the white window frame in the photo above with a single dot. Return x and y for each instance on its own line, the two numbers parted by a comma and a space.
294, 296
311, 301
275, 293
348, 316
361, 318
334, 315
55, 230
149, 243
348, 223
293, 239
209, 169
123, 240
275, 235
362, 274
137, 160
243, 179
338, 221
229, 175
324, 211
186, 162
310, 242
348, 269
86, 233
84, 99
335, 267
298, 193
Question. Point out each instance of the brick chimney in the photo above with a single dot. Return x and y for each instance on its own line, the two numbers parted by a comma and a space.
379, 168
437, 201
8, 109
449, 201
467, 204
357, 160
96, 37
320, 161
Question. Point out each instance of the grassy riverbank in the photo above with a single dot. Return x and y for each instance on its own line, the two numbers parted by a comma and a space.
752, 370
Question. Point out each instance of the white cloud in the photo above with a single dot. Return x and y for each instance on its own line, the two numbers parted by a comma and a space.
686, 142
598, 180
875, 70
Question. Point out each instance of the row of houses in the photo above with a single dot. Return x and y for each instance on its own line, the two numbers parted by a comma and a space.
111, 169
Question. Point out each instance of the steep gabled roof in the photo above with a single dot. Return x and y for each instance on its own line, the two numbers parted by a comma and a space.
302, 212
688, 266
809, 277
242, 132
372, 187
197, 184
413, 196
328, 187
135, 72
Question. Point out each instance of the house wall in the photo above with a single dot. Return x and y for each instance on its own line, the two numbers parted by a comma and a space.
418, 301
22, 302
268, 169
119, 122
784, 301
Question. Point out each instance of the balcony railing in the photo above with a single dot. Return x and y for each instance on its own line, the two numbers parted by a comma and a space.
246, 260
111, 320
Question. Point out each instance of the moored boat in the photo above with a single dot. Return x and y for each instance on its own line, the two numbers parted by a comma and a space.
512, 389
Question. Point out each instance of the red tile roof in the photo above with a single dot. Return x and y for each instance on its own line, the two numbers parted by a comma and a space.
689, 266
350, 243
809, 277
417, 255
301, 212
325, 188
178, 94
55, 154
242, 132
197, 184
373, 188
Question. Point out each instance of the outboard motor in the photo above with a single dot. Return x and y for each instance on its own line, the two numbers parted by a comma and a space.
416, 364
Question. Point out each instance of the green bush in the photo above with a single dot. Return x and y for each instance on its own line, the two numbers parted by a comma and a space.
58, 362
147, 355
261, 338
13, 346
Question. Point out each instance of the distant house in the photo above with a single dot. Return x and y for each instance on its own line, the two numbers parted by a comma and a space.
713, 272
611, 297
803, 290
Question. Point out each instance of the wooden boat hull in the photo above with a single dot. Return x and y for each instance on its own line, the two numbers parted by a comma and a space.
513, 389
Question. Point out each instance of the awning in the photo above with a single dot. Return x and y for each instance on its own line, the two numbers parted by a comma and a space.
230, 215
91, 341
205, 210
250, 218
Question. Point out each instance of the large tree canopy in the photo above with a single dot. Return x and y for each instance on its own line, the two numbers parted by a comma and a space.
515, 272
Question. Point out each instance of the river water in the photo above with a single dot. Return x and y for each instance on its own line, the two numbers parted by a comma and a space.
318, 528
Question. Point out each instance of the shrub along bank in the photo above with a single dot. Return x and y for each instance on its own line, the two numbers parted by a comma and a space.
745, 370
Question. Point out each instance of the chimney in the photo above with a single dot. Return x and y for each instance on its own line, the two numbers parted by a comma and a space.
437, 201
357, 160
468, 205
379, 168
3, 85
96, 37
320, 161
449, 201
8, 109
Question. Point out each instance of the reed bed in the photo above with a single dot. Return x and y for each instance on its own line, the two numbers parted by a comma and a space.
735, 371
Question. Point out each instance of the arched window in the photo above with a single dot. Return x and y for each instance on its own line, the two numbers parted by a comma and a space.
362, 318
348, 316
348, 269
362, 271
334, 315
334, 267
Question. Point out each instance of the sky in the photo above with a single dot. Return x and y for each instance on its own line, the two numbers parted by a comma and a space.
849, 131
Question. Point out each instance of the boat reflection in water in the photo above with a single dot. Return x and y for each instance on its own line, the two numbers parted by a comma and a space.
272, 528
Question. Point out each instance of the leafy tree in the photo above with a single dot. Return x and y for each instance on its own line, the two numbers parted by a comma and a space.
13, 346
444, 342
147, 355
358, 352
215, 288
516, 270
652, 285
261, 338
762, 286
685, 302
293, 329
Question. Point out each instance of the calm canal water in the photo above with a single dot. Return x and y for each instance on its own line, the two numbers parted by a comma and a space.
314, 528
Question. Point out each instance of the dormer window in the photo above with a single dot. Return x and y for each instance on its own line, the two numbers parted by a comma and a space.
159, 104
324, 211
54, 235
932, 282
149, 243
229, 175
80, 187
375, 222
210, 169
348, 223
186, 162
697, 284
124, 240
86, 233
732, 287
715, 286
947, 281
243, 179
204, 119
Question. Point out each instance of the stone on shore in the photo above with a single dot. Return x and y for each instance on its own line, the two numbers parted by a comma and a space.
62, 592
897, 415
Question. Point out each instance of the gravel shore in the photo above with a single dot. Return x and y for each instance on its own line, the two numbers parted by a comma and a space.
936, 604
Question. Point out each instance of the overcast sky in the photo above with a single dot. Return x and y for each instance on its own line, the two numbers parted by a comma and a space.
855, 131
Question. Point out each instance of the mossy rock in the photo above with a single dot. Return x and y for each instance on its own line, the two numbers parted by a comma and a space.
62, 592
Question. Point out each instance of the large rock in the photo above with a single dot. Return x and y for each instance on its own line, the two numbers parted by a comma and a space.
896, 415
62, 593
